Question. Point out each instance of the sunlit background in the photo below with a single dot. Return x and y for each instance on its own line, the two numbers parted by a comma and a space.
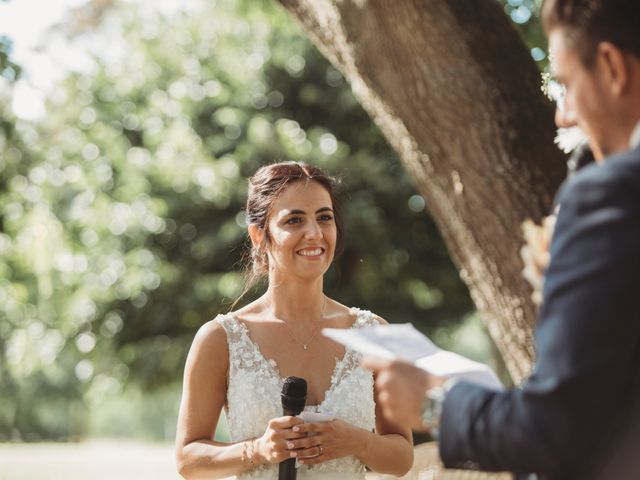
127, 132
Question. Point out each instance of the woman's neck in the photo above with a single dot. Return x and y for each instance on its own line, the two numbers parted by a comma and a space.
296, 301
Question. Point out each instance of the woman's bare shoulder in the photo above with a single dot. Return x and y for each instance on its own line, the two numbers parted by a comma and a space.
247, 313
347, 316
211, 337
337, 314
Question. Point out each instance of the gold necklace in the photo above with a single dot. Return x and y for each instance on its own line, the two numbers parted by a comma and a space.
305, 345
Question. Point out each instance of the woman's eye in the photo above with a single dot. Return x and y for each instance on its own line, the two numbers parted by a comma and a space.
293, 220
325, 218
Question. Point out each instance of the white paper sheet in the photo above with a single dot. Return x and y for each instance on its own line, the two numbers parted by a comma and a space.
403, 341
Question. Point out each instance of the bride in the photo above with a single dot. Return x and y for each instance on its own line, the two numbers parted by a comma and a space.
238, 361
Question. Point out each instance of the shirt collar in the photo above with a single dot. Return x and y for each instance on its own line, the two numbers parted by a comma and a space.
634, 140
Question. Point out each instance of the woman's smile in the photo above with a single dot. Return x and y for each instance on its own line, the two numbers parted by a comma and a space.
311, 252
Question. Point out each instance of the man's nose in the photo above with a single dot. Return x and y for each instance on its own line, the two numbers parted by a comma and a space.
565, 116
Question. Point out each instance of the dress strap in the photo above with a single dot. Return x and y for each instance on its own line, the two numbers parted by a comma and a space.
231, 326
244, 354
364, 318
350, 362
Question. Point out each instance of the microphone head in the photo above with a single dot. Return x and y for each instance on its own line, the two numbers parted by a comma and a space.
294, 395
294, 387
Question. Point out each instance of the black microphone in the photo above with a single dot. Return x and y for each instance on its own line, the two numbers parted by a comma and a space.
293, 396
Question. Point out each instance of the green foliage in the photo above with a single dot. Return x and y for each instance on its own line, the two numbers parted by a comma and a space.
9, 71
121, 225
525, 14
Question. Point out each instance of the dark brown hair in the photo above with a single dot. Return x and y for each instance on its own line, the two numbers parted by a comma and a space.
588, 22
265, 186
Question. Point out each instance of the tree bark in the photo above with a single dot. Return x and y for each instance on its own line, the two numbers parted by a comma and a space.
454, 90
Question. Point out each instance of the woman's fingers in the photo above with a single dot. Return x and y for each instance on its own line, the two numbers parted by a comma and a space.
273, 444
289, 434
313, 455
307, 449
284, 422
304, 442
307, 428
306, 454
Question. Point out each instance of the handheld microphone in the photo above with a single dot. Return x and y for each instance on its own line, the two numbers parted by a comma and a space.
294, 397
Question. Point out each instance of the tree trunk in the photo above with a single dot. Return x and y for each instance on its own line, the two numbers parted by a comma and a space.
457, 95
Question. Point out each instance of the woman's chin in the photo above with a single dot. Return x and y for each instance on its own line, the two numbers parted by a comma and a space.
312, 272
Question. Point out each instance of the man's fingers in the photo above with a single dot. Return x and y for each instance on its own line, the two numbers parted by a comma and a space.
378, 365
374, 364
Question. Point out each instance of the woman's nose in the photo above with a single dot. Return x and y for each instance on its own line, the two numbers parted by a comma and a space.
313, 230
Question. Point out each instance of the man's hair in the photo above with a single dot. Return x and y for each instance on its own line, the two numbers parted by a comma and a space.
586, 23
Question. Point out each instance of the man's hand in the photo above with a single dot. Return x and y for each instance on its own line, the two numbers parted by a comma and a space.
401, 389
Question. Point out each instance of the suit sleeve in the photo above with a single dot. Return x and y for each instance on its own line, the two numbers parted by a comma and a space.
587, 343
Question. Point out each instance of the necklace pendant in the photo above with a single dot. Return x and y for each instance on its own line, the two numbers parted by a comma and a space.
306, 347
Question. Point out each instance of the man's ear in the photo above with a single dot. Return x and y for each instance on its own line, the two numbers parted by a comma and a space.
256, 234
614, 66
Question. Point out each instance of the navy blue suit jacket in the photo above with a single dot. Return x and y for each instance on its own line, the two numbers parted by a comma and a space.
569, 418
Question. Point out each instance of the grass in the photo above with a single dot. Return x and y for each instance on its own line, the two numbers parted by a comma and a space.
95, 459
127, 460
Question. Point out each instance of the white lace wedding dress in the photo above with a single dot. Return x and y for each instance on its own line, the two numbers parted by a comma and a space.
253, 398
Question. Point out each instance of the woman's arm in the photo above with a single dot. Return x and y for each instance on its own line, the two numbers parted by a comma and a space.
203, 396
392, 450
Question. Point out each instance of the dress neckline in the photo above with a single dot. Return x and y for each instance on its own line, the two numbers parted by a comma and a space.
274, 369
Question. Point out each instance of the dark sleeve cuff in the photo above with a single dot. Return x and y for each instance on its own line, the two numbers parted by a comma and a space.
460, 409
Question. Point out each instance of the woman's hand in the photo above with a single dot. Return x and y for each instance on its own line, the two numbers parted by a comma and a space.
326, 441
272, 445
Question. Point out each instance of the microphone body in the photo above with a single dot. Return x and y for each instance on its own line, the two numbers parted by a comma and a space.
294, 397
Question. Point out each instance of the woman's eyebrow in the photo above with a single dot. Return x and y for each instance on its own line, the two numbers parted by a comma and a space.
302, 212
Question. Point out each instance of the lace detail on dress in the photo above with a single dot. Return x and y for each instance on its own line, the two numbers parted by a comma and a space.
253, 395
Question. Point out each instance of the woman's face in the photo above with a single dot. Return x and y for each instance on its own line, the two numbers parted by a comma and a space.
302, 231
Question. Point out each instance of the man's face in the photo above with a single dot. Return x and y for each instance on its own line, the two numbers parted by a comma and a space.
587, 100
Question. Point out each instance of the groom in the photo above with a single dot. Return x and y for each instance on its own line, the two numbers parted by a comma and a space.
578, 415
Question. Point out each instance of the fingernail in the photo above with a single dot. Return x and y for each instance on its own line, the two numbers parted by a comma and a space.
296, 429
289, 444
